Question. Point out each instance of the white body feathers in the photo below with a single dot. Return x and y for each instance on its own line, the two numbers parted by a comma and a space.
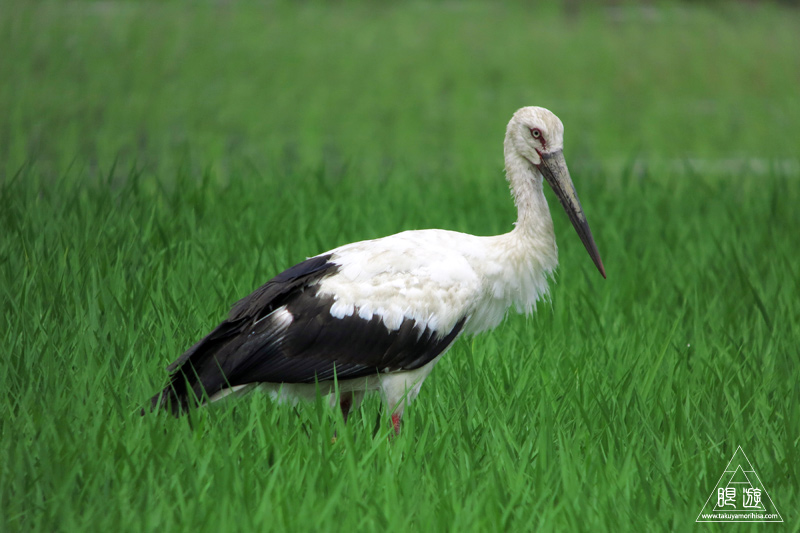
438, 277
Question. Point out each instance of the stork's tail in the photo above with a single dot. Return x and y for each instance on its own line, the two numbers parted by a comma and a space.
174, 399
180, 393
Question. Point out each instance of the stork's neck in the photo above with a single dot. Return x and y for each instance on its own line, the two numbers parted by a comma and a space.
516, 265
528, 253
533, 215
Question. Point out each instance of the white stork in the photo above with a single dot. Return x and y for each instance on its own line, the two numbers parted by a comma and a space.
377, 315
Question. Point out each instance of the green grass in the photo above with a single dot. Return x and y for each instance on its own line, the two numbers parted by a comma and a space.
157, 162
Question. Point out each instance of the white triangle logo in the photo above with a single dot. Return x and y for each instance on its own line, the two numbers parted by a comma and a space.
739, 495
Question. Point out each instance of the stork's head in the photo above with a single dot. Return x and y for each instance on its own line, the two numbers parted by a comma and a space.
534, 131
537, 136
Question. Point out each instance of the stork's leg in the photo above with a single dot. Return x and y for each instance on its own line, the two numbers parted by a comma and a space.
348, 401
345, 404
400, 389
396, 423
396, 419
397, 405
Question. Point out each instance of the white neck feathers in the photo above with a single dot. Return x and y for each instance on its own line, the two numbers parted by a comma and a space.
522, 260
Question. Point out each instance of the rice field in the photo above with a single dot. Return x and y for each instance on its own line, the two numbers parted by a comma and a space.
159, 161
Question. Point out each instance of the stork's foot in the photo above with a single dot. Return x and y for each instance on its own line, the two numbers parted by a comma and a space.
396, 423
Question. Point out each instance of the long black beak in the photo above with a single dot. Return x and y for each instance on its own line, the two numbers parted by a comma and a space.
554, 169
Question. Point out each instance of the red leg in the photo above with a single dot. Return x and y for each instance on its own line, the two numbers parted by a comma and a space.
396, 423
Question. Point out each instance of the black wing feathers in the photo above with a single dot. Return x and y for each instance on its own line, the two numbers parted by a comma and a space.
214, 350
261, 302
316, 342
251, 346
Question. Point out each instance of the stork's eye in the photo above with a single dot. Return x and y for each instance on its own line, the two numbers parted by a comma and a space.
536, 133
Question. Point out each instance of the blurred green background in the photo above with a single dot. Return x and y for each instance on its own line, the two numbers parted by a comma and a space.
221, 82
159, 160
